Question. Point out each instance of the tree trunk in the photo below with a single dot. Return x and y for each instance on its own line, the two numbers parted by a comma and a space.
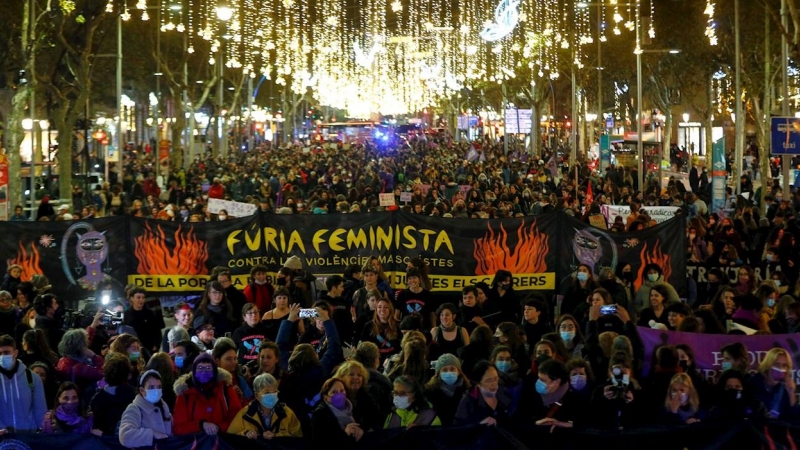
15, 137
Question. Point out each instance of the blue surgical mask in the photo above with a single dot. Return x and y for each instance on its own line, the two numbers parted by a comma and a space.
770, 302
777, 282
401, 402
541, 387
179, 361
269, 400
652, 277
449, 378
582, 276
769, 257
152, 395
727, 365
578, 381
567, 336
134, 356
503, 366
7, 362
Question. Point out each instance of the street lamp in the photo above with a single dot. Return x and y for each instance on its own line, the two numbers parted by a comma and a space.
224, 14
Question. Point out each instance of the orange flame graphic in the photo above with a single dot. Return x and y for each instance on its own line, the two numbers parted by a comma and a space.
492, 252
187, 258
28, 262
657, 257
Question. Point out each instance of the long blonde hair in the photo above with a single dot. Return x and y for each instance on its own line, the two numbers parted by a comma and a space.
391, 322
684, 379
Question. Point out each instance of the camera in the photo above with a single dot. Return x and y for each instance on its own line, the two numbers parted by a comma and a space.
607, 310
73, 319
620, 385
112, 319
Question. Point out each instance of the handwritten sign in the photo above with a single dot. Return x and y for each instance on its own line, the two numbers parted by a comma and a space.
405, 197
235, 209
386, 199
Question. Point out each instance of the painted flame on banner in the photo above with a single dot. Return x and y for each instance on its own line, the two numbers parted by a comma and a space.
188, 257
28, 261
657, 257
492, 252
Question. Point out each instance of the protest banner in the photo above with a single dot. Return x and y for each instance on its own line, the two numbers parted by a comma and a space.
235, 209
658, 213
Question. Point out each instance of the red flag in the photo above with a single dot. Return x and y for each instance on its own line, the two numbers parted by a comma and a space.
589, 194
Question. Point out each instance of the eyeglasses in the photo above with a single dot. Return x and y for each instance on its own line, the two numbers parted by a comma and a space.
205, 369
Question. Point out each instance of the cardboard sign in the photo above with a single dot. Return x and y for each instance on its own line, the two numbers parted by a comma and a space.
386, 199
235, 209
406, 197
598, 220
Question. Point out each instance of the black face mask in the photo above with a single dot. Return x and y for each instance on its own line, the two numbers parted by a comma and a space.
627, 276
684, 365
733, 395
281, 281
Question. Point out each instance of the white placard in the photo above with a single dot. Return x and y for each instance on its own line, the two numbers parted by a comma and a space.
406, 197
235, 209
657, 213
386, 199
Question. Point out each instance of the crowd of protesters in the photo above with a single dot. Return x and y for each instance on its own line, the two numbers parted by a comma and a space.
331, 364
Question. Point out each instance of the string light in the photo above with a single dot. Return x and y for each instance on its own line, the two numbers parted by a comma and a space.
711, 25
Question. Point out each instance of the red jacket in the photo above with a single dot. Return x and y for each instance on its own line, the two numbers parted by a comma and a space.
83, 373
217, 190
260, 294
193, 406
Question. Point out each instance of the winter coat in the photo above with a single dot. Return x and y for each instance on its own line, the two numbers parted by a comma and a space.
22, 401
108, 408
83, 373
260, 294
283, 422
194, 407
141, 419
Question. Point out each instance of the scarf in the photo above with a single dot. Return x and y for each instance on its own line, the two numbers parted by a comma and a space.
558, 394
344, 417
76, 423
215, 308
450, 391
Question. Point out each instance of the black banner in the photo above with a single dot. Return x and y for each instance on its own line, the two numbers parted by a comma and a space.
169, 257
664, 245
75, 256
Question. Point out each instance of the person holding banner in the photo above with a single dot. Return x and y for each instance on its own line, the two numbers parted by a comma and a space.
774, 385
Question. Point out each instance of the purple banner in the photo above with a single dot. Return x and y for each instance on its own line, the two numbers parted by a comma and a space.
708, 358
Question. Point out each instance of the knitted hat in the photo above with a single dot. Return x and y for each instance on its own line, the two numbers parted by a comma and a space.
448, 359
204, 358
293, 263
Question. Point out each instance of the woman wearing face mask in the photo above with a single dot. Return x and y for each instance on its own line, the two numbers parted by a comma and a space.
686, 361
266, 417
553, 405
485, 403
773, 385
769, 297
129, 346
580, 288
503, 298
617, 403
734, 400
651, 275
511, 336
510, 375
332, 422
682, 403
570, 332
148, 418
581, 378
67, 417
410, 407
205, 400
445, 390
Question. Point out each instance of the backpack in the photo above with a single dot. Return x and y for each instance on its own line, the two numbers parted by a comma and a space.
29, 378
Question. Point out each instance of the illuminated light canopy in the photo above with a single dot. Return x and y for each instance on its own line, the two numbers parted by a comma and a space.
506, 18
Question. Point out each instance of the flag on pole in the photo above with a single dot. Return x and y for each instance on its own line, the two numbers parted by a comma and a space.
589, 194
